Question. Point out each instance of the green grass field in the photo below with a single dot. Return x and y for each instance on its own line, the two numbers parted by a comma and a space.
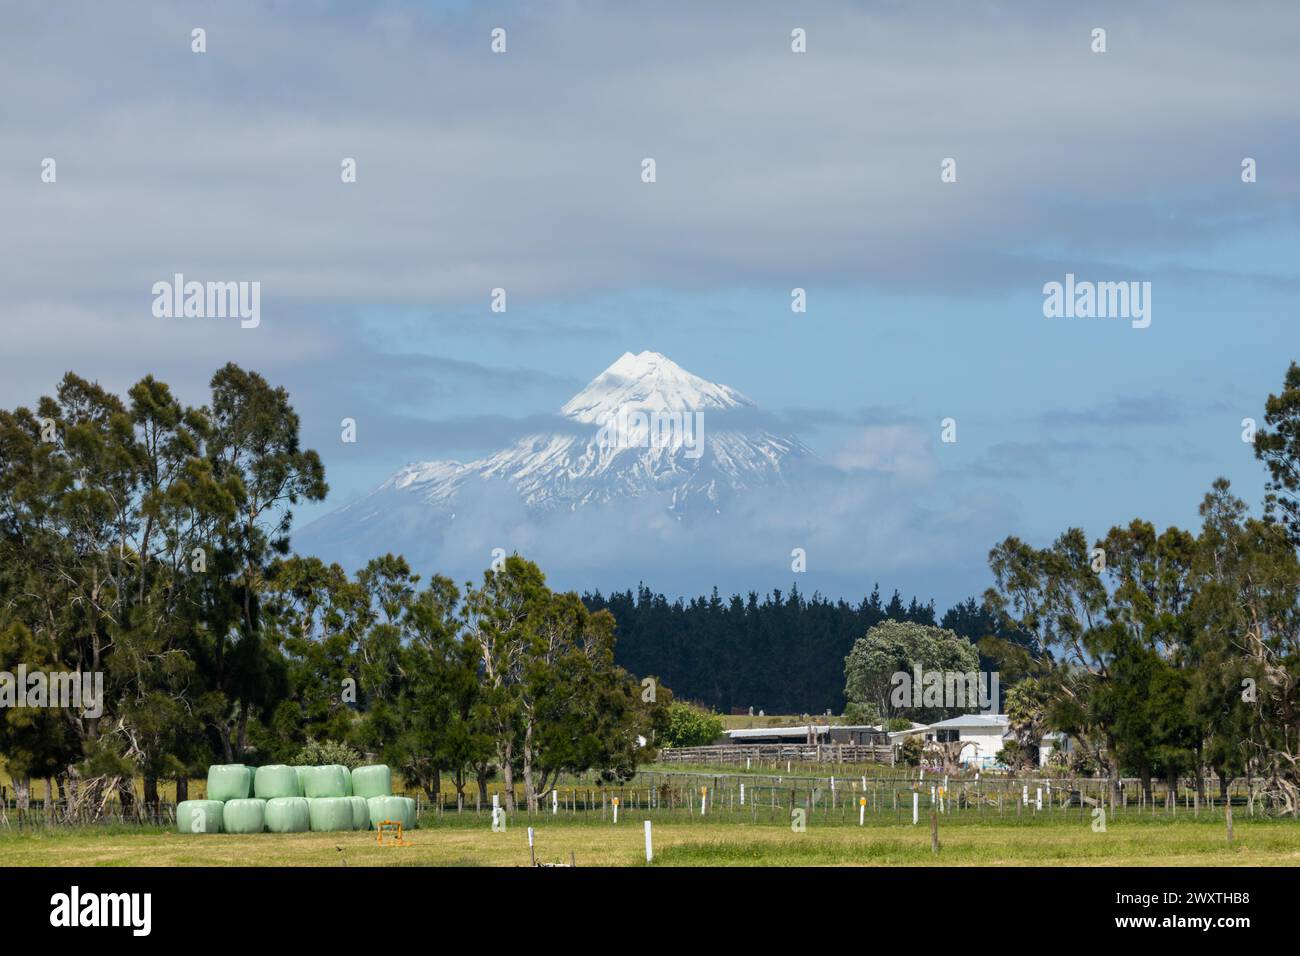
988, 830
469, 841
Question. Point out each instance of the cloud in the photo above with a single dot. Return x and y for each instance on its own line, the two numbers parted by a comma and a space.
1157, 410
1043, 458
854, 528
895, 449
522, 170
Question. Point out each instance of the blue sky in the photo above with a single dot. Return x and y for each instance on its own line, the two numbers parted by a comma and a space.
775, 170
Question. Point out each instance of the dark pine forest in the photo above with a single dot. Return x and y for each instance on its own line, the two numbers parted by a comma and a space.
782, 654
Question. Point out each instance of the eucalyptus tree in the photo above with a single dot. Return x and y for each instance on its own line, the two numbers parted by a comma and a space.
1248, 607
253, 451
1278, 446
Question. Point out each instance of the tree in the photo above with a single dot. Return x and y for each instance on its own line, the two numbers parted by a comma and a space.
895, 647
495, 618
691, 726
1015, 756
254, 455
1027, 716
316, 753
1279, 449
1248, 607
911, 751
315, 618
130, 540
101, 502
552, 697
433, 722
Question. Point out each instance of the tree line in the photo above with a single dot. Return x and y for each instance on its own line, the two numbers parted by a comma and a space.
783, 654
148, 541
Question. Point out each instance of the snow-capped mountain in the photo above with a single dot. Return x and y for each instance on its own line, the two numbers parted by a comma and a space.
642, 428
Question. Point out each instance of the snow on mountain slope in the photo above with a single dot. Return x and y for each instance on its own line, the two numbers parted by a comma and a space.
643, 427
648, 381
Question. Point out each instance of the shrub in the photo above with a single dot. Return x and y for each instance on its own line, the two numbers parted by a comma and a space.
691, 727
321, 753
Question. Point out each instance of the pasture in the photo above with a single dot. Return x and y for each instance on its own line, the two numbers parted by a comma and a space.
780, 819
685, 840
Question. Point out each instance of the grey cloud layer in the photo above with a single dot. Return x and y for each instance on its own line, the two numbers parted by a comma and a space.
522, 171
480, 170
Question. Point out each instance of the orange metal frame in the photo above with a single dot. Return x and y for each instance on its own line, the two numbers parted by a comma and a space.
394, 829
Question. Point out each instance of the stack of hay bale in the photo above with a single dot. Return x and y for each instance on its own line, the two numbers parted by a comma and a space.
282, 799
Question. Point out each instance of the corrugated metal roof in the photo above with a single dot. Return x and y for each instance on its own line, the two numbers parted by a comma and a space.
820, 729
973, 720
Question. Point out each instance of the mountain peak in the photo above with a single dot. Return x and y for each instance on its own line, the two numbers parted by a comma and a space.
630, 364
649, 381
690, 466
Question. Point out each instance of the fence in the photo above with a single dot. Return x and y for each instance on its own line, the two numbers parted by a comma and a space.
697, 796
776, 753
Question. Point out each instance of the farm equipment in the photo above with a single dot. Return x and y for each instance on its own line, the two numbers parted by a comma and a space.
394, 830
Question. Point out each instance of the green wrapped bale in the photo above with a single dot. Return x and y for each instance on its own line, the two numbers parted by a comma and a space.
274, 781
329, 781
229, 781
288, 815
198, 816
301, 773
360, 813
372, 781
398, 809
347, 779
330, 813
243, 816
410, 812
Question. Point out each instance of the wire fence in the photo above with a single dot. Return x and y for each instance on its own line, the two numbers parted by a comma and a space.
883, 799
894, 798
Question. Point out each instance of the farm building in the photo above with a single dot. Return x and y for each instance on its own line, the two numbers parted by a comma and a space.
1051, 743
808, 734
982, 735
